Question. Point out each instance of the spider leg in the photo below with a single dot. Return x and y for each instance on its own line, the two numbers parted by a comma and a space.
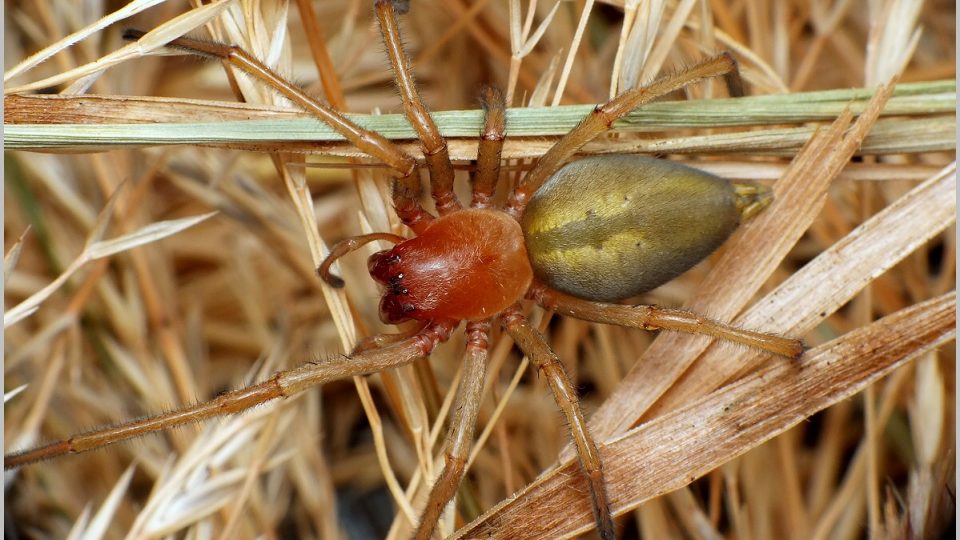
433, 145
655, 317
460, 435
491, 145
380, 341
406, 193
532, 343
603, 116
281, 385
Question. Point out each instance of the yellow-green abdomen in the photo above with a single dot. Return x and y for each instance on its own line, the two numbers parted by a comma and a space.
610, 227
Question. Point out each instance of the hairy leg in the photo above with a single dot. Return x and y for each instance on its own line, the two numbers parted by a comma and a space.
433, 145
605, 115
491, 145
406, 194
548, 364
656, 318
280, 385
466, 407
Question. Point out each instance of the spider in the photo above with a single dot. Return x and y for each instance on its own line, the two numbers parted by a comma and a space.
569, 237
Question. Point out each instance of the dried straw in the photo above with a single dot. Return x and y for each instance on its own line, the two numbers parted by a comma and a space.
161, 239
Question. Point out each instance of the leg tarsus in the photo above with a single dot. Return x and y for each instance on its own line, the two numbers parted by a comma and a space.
601, 505
401, 7
733, 79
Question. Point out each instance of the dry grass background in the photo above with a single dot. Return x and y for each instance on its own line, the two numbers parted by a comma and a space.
134, 330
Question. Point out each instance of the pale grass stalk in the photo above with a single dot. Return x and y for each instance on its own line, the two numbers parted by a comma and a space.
753, 67
790, 495
848, 488
7, 396
255, 467
129, 10
76, 531
444, 411
98, 249
505, 447
30, 427
538, 98
300, 193
706, 37
202, 315
893, 39
401, 386
12, 255
756, 492
498, 410
377, 430
154, 39
401, 525
927, 415
691, 516
640, 41
655, 521
736, 510
825, 459
572, 52
416, 489
780, 48
99, 525
861, 309
521, 42
927, 410
629, 17
871, 478
666, 40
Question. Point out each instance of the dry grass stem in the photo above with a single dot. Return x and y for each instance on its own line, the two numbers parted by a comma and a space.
668, 452
164, 217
